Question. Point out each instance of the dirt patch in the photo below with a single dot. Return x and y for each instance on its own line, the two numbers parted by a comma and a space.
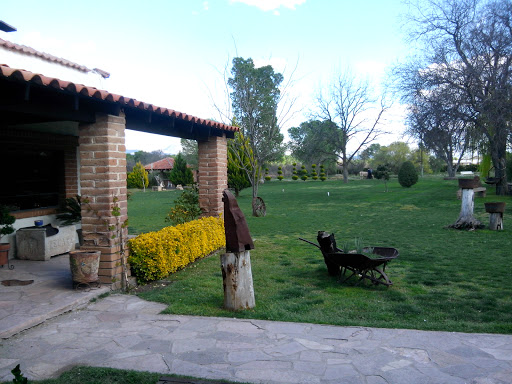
154, 285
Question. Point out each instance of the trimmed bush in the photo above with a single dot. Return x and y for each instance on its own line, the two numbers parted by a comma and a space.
314, 175
186, 207
407, 175
280, 173
155, 255
267, 176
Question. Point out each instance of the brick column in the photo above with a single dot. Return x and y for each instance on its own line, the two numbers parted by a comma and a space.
103, 177
213, 174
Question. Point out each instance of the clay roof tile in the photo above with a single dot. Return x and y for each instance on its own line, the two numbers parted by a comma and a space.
29, 77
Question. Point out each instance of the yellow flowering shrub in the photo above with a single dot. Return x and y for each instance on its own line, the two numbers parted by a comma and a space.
155, 255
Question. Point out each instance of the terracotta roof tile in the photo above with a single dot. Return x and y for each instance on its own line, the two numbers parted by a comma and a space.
164, 164
46, 56
91, 92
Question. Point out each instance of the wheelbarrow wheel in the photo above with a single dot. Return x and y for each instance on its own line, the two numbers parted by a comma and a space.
258, 207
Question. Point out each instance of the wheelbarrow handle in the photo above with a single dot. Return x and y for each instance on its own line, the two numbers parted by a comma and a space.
309, 242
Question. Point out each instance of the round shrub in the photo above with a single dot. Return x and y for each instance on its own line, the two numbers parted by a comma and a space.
407, 175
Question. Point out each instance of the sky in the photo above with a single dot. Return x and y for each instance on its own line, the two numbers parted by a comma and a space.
172, 53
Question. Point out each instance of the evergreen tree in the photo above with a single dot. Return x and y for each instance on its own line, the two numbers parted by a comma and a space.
239, 163
180, 173
407, 176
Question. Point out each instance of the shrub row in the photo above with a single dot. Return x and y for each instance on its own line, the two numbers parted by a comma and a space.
155, 255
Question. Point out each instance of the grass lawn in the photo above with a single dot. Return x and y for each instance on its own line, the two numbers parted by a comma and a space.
94, 375
443, 279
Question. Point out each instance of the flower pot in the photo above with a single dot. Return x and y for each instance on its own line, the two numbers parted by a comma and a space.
495, 207
4, 253
84, 266
469, 183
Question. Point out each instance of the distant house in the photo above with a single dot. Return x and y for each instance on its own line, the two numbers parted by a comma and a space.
164, 165
160, 168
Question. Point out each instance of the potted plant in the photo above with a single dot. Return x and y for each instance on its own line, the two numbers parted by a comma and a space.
71, 213
6, 222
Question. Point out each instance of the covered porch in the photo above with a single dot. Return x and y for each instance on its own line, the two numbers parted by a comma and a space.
61, 139
35, 291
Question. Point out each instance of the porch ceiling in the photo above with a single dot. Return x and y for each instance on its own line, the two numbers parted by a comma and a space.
26, 98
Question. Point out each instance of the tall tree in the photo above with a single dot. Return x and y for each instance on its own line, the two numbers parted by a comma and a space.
466, 48
349, 104
436, 122
311, 142
255, 95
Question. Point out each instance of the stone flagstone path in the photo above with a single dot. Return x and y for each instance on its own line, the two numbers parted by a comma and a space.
123, 331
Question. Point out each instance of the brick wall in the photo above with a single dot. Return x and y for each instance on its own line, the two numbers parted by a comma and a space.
212, 174
102, 179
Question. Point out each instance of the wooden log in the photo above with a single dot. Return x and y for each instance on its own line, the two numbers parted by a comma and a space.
496, 221
237, 280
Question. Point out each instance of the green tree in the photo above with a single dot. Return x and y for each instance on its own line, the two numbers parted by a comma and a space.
392, 155
180, 173
312, 141
255, 96
138, 178
240, 163
407, 175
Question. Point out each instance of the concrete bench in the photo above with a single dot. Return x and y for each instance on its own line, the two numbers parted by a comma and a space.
466, 173
479, 192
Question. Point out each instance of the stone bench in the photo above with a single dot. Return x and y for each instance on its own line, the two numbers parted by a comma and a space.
479, 192
41, 243
466, 173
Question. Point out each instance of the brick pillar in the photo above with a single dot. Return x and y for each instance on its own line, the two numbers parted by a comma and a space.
212, 175
103, 177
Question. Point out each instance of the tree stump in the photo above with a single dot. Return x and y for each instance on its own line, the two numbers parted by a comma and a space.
496, 221
466, 219
237, 280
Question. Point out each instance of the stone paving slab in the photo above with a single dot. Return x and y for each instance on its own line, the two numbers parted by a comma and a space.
123, 331
51, 294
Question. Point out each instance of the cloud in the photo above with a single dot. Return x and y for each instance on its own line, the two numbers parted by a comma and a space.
271, 5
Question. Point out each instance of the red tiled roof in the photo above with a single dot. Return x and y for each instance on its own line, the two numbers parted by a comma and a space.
161, 165
93, 93
45, 56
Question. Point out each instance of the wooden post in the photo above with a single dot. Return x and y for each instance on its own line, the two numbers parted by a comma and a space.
237, 280
496, 221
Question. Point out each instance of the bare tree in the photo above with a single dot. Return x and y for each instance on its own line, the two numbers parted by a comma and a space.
355, 112
467, 46
435, 119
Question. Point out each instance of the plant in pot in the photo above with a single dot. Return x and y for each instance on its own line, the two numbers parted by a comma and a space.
71, 213
6, 222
